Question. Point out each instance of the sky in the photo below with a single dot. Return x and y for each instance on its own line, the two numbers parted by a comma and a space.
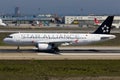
62, 7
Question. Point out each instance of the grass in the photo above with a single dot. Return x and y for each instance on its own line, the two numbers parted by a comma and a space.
44, 28
43, 70
114, 42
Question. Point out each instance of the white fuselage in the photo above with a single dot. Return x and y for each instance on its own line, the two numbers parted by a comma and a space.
70, 38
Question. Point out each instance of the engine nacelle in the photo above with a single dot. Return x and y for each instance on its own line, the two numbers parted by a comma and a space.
44, 46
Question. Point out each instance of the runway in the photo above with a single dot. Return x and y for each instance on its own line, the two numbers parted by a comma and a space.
66, 53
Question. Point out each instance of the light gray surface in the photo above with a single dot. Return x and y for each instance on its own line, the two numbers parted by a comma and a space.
54, 31
67, 53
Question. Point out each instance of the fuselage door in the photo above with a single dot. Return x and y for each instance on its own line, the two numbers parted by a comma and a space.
17, 38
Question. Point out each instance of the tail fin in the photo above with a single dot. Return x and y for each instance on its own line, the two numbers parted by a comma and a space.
96, 21
105, 27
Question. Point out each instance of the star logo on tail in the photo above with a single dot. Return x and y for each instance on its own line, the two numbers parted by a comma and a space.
105, 29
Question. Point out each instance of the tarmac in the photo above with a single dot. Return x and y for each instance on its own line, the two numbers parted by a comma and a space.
53, 31
66, 53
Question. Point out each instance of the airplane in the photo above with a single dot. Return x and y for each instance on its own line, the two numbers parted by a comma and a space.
51, 41
1, 23
97, 23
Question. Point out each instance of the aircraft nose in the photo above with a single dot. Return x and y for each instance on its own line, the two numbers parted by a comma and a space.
6, 40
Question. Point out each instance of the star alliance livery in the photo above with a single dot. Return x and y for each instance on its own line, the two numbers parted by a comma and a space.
97, 22
51, 41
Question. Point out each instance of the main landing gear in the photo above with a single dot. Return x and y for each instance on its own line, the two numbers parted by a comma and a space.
56, 50
18, 47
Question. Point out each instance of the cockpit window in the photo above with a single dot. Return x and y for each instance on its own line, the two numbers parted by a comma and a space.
9, 36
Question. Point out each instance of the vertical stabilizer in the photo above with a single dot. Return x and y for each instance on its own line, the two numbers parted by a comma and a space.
105, 27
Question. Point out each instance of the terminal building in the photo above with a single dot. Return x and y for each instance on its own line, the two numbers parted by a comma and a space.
87, 20
42, 19
50, 20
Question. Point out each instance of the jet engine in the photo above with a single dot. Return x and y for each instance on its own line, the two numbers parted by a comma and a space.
44, 46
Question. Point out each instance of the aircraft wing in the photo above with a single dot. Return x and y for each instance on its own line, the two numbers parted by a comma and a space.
56, 42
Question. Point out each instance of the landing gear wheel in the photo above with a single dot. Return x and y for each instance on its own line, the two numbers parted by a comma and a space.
18, 47
56, 50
